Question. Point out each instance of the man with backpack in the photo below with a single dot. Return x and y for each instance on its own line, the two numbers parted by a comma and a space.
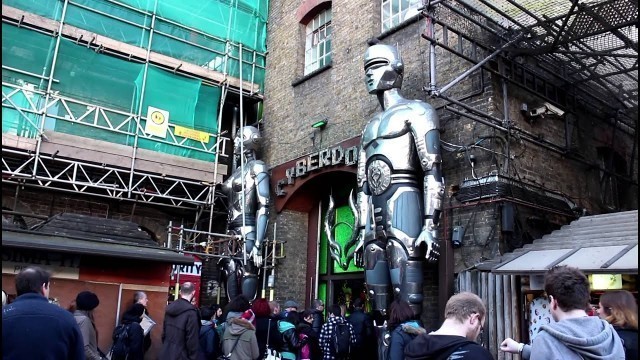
337, 336
128, 337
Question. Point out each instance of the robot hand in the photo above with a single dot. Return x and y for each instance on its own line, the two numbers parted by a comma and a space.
427, 236
359, 251
256, 256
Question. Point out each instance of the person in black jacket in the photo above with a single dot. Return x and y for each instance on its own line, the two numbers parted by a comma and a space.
620, 309
403, 328
291, 342
313, 337
208, 336
318, 315
266, 326
135, 334
364, 331
181, 327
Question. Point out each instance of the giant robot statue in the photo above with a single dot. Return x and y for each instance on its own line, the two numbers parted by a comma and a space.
400, 186
253, 203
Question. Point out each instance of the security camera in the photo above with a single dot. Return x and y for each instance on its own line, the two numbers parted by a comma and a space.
544, 110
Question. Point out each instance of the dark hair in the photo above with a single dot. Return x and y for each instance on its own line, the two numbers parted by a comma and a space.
292, 317
399, 312
31, 279
239, 304
335, 310
214, 309
357, 303
206, 312
308, 312
261, 308
569, 286
317, 302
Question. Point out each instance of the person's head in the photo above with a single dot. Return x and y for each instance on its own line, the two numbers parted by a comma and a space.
239, 304
275, 307
188, 291
383, 68
136, 310
567, 288
468, 311
217, 311
261, 308
334, 310
318, 304
292, 317
307, 315
619, 308
87, 301
290, 305
357, 303
140, 297
206, 313
33, 280
399, 312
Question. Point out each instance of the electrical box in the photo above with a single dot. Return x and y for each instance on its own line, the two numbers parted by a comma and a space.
457, 236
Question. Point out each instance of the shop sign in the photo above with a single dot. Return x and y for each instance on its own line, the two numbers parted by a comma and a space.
193, 270
332, 156
62, 266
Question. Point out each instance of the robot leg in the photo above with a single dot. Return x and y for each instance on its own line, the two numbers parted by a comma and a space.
233, 273
250, 281
406, 275
377, 275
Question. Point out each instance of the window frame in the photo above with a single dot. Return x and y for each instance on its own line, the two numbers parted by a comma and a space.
393, 18
318, 39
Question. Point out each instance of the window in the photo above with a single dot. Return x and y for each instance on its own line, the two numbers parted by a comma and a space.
395, 12
612, 192
318, 45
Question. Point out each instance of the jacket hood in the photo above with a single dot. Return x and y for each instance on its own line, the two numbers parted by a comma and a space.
427, 346
239, 326
284, 326
412, 328
133, 314
178, 307
589, 336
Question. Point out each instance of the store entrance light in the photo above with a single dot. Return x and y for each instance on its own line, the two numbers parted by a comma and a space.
320, 124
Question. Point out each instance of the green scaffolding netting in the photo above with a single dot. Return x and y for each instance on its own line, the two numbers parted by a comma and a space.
90, 78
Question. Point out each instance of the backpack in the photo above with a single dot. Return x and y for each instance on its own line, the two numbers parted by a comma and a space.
342, 339
121, 342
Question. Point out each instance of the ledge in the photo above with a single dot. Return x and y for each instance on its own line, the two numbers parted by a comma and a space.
300, 80
410, 21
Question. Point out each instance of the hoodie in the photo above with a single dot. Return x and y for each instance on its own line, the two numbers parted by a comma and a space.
239, 340
587, 337
442, 347
401, 336
180, 331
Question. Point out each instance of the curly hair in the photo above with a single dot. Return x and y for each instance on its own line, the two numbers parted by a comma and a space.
620, 308
569, 286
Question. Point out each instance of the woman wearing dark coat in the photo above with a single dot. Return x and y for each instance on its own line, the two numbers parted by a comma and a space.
266, 326
305, 328
132, 318
620, 309
291, 342
402, 327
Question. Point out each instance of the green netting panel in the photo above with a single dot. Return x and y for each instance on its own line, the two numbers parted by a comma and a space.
28, 51
51, 9
111, 20
239, 21
96, 78
13, 122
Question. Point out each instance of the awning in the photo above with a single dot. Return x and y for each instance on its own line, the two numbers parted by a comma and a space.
595, 244
29, 240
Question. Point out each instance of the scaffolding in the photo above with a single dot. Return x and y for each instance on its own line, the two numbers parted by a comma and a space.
571, 54
79, 80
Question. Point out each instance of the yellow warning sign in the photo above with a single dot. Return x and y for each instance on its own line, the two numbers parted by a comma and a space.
192, 134
157, 122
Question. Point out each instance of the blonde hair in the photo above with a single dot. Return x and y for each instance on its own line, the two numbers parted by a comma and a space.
620, 308
461, 306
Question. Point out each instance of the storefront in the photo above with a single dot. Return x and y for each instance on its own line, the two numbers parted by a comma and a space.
113, 259
604, 247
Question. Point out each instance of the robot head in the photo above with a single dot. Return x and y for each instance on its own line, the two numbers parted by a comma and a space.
250, 139
383, 68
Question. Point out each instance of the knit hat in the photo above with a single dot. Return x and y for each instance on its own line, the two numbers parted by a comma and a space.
87, 301
250, 316
290, 304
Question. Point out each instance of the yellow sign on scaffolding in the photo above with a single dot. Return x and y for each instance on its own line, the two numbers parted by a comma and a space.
192, 134
157, 122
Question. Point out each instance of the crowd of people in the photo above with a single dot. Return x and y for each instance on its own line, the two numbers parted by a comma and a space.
260, 329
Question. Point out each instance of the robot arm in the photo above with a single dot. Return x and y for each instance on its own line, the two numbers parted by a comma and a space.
427, 138
362, 207
262, 211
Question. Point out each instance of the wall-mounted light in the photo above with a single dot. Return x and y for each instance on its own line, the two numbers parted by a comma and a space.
320, 124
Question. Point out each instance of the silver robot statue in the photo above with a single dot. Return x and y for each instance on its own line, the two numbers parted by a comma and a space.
253, 204
400, 186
